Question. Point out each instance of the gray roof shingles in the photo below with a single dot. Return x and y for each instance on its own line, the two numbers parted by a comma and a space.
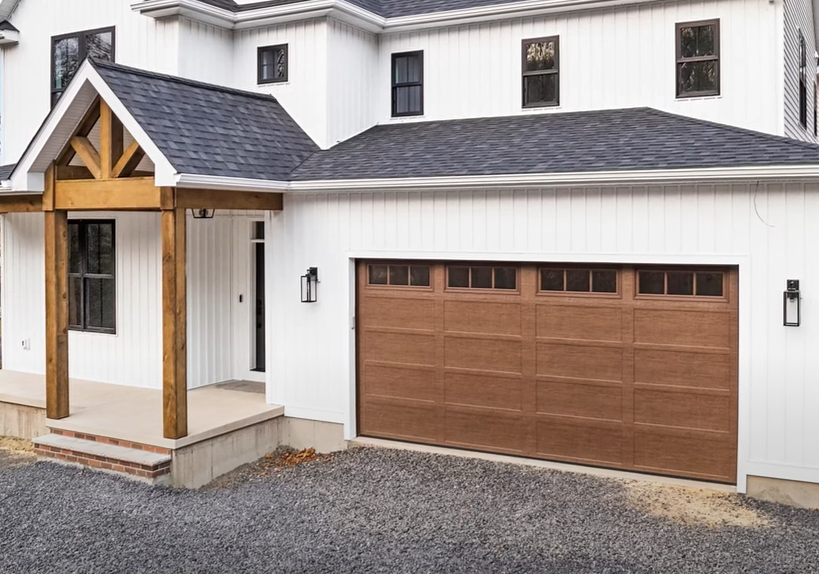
204, 129
609, 140
385, 8
5, 171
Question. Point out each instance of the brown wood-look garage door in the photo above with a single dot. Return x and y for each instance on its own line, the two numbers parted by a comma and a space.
621, 367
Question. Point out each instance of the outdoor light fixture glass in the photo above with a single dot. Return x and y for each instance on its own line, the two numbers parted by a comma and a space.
309, 285
203, 213
792, 304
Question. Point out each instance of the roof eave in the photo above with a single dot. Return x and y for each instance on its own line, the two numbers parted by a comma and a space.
9, 37
197, 181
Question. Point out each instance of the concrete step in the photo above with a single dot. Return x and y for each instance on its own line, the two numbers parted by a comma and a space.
142, 465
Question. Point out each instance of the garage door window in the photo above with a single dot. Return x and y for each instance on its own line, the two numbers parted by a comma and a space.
399, 275
501, 278
557, 280
685, 283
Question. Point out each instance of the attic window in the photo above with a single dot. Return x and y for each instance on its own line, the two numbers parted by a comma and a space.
541, 72
70, 50
407, 84
272, 64
698, 59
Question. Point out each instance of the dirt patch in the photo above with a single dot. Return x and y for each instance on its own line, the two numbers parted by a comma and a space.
694, 506
15, 451
268, 466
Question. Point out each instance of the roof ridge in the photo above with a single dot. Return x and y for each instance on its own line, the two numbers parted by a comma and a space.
736, 129
97, 63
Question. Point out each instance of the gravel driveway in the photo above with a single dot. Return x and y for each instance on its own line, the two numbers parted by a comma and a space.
371, 510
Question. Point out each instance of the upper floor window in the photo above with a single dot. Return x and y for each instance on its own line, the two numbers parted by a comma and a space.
803, 81
272, 64
91, 276
541, 72
698, 59
69, 50
408, 84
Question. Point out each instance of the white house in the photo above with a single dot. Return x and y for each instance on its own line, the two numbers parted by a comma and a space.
574, 231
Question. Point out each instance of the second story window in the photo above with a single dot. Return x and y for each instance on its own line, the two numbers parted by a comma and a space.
69, 50
407, 84
698, 59
541, 72
803, 81
272, 64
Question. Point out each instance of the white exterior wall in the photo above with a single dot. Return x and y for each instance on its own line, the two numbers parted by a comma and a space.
140, 42
762, 228
616, 58
798, 15
205, 52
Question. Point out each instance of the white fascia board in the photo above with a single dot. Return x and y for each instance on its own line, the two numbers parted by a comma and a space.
7, 7
9, 37
779, 173
192, 9
183, 180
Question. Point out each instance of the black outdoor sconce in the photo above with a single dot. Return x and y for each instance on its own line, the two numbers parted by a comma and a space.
792, 306
203, 213
309, 285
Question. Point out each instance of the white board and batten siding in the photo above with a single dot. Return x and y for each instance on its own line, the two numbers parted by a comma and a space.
761, 228
133, 356
798, 17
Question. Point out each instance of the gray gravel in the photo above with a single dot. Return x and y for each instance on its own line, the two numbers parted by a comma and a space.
370, 510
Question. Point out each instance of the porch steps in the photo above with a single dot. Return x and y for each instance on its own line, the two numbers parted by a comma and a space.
133, 461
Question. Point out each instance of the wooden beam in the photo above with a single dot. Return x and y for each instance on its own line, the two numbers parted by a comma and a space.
21, 203
73, 172
114, 194
87, 124
128, 161
111, 140
219, 199
88, 154
174, 325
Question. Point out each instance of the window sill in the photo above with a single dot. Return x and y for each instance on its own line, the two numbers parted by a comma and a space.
272, 84
407, 118
697, 98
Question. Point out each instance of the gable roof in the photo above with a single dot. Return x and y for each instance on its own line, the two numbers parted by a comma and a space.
594, 141
204, 129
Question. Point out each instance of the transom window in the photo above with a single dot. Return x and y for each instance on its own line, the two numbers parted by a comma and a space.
505, 278
690, 283
408, 84
91, 276
272, 64
399, 275
698, 59
541, 72
578, 280
70, 50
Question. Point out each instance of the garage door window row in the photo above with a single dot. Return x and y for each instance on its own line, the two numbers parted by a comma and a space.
504, 278
578, 280
399, 275
686, 283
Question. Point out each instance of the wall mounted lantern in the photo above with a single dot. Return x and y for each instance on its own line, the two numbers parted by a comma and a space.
792, 305
203, 213
309, 286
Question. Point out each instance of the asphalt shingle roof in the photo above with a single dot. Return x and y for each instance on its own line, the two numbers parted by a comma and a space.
5, 171
609, 140
385, 8
204, 129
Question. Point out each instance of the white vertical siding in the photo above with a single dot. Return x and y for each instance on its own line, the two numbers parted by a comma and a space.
799, 17
205, 52
764, 228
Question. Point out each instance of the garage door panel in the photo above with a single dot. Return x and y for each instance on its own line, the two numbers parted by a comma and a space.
483, 390
693, 454
482, 317
580, 400
682, 368
685, 410
578, 440
488, 431
404, 382
394, 312
484, 354
406, 420
579, 322
411, 348
685, 328
579, 361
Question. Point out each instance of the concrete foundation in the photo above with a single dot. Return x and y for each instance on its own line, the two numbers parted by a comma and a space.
303, 433
22, 421
790, 492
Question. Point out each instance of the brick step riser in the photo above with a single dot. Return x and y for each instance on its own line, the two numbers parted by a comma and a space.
104, 463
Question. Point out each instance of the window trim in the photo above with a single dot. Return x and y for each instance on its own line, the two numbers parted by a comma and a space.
259, 79
526, 74
81, 34
716, 57
394, 86
617, 294
82, 275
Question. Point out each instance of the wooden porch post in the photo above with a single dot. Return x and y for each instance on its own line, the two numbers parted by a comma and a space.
56, 288
174, 323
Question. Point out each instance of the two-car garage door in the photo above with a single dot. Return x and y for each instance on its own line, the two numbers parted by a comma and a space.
616, 366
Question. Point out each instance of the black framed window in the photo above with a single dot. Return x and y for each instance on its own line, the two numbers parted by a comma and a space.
408, 84
698, 59
92, 275
541, 72
69, 50
803, 81
272, 64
